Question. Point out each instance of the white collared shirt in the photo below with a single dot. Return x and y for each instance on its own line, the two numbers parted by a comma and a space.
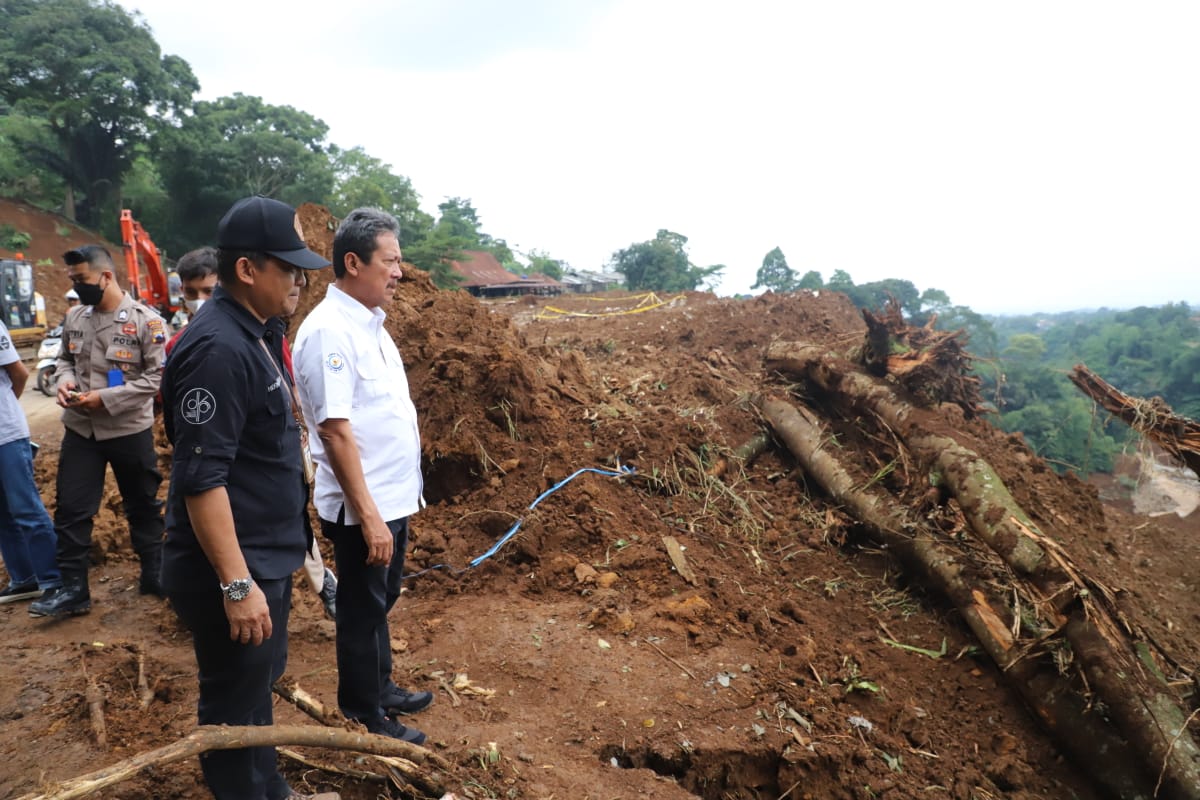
348, 367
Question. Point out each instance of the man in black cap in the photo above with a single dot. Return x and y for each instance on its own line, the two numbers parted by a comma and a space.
237, 524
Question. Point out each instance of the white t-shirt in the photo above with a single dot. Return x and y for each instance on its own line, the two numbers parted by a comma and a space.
13, 424
348, 367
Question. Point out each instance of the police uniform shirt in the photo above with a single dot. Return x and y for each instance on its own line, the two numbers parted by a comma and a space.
347, 367
119, 354
228, 413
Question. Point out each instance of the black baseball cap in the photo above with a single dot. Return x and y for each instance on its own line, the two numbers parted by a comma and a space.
267, 226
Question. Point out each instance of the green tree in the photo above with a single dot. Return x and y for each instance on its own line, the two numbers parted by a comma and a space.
661, 264
775, 274
363, 180
96, 75
434, 252
541, 262
238, 146
20, 175
812, 280
840, 281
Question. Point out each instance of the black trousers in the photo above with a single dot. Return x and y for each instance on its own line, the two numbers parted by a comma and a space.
365, 595
235, 688
81, 466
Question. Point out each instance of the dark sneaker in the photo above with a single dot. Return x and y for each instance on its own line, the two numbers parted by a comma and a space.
398, 701
150, 581
328, 594
150, 584
387, 726
67, 600
26, 591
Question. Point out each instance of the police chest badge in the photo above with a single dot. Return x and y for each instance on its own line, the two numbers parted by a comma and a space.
129, 329
156, 330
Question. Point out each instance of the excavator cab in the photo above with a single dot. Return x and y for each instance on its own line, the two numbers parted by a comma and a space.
24, 310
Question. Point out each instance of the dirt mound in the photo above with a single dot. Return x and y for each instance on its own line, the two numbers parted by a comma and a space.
663, 633
51, 235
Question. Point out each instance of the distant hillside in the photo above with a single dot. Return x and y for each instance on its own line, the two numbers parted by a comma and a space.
51, 236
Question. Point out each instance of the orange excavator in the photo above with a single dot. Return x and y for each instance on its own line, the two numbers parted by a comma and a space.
148, 280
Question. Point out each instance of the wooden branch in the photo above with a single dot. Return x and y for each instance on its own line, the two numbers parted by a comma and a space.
223, 737
1152, 418
305, 702
744, 454
145, 695
356, 774
95, 703
1079, 730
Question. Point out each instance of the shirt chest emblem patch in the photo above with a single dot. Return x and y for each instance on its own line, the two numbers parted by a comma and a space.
122, 354
335, 362
122, 315
129, 329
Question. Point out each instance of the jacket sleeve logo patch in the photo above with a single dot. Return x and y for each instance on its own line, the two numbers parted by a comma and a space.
198, 406
335, 362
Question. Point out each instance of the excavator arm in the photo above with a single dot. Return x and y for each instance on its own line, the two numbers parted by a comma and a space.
143, 263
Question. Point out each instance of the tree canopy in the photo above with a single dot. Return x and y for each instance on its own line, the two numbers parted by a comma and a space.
96, 79
775, 274
661, 264
233, 147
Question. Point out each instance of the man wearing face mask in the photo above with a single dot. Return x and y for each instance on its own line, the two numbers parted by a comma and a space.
108, 373
197, 272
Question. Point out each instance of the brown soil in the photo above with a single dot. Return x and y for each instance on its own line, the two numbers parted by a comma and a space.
51, 236
597, 670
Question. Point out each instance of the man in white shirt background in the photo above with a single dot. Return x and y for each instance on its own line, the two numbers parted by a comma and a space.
354, 394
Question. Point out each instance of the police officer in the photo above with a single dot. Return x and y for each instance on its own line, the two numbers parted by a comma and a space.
108, 371
237, 521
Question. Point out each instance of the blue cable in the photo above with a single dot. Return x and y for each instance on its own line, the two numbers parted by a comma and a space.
620, 472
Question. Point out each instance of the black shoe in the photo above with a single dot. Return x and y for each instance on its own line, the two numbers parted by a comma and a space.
26, 591
386, 726
149, 583
151, 580
328, 594
70, 599
397, 701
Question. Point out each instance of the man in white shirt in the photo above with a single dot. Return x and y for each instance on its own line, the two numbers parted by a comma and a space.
354, 394
27, 540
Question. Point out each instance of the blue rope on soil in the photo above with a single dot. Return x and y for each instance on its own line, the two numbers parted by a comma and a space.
620, 472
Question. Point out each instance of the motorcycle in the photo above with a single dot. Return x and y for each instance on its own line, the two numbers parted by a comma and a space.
47, 354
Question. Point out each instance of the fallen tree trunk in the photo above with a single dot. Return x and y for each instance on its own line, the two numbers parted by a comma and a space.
1143, 714
222, 737
1152, 418
1080, 731
984, 500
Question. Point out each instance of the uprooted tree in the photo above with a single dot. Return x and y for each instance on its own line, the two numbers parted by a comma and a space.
1152, 418
1098, 683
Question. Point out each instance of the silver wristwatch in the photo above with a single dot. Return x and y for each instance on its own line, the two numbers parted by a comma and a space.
237, 590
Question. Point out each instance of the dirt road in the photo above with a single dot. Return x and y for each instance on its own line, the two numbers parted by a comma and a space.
43, 415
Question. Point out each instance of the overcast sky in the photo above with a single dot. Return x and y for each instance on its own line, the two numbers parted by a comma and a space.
1020, 156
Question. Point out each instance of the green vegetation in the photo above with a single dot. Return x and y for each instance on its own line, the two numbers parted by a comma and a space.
662, 264
1023, 363
94, 118
1144, 352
